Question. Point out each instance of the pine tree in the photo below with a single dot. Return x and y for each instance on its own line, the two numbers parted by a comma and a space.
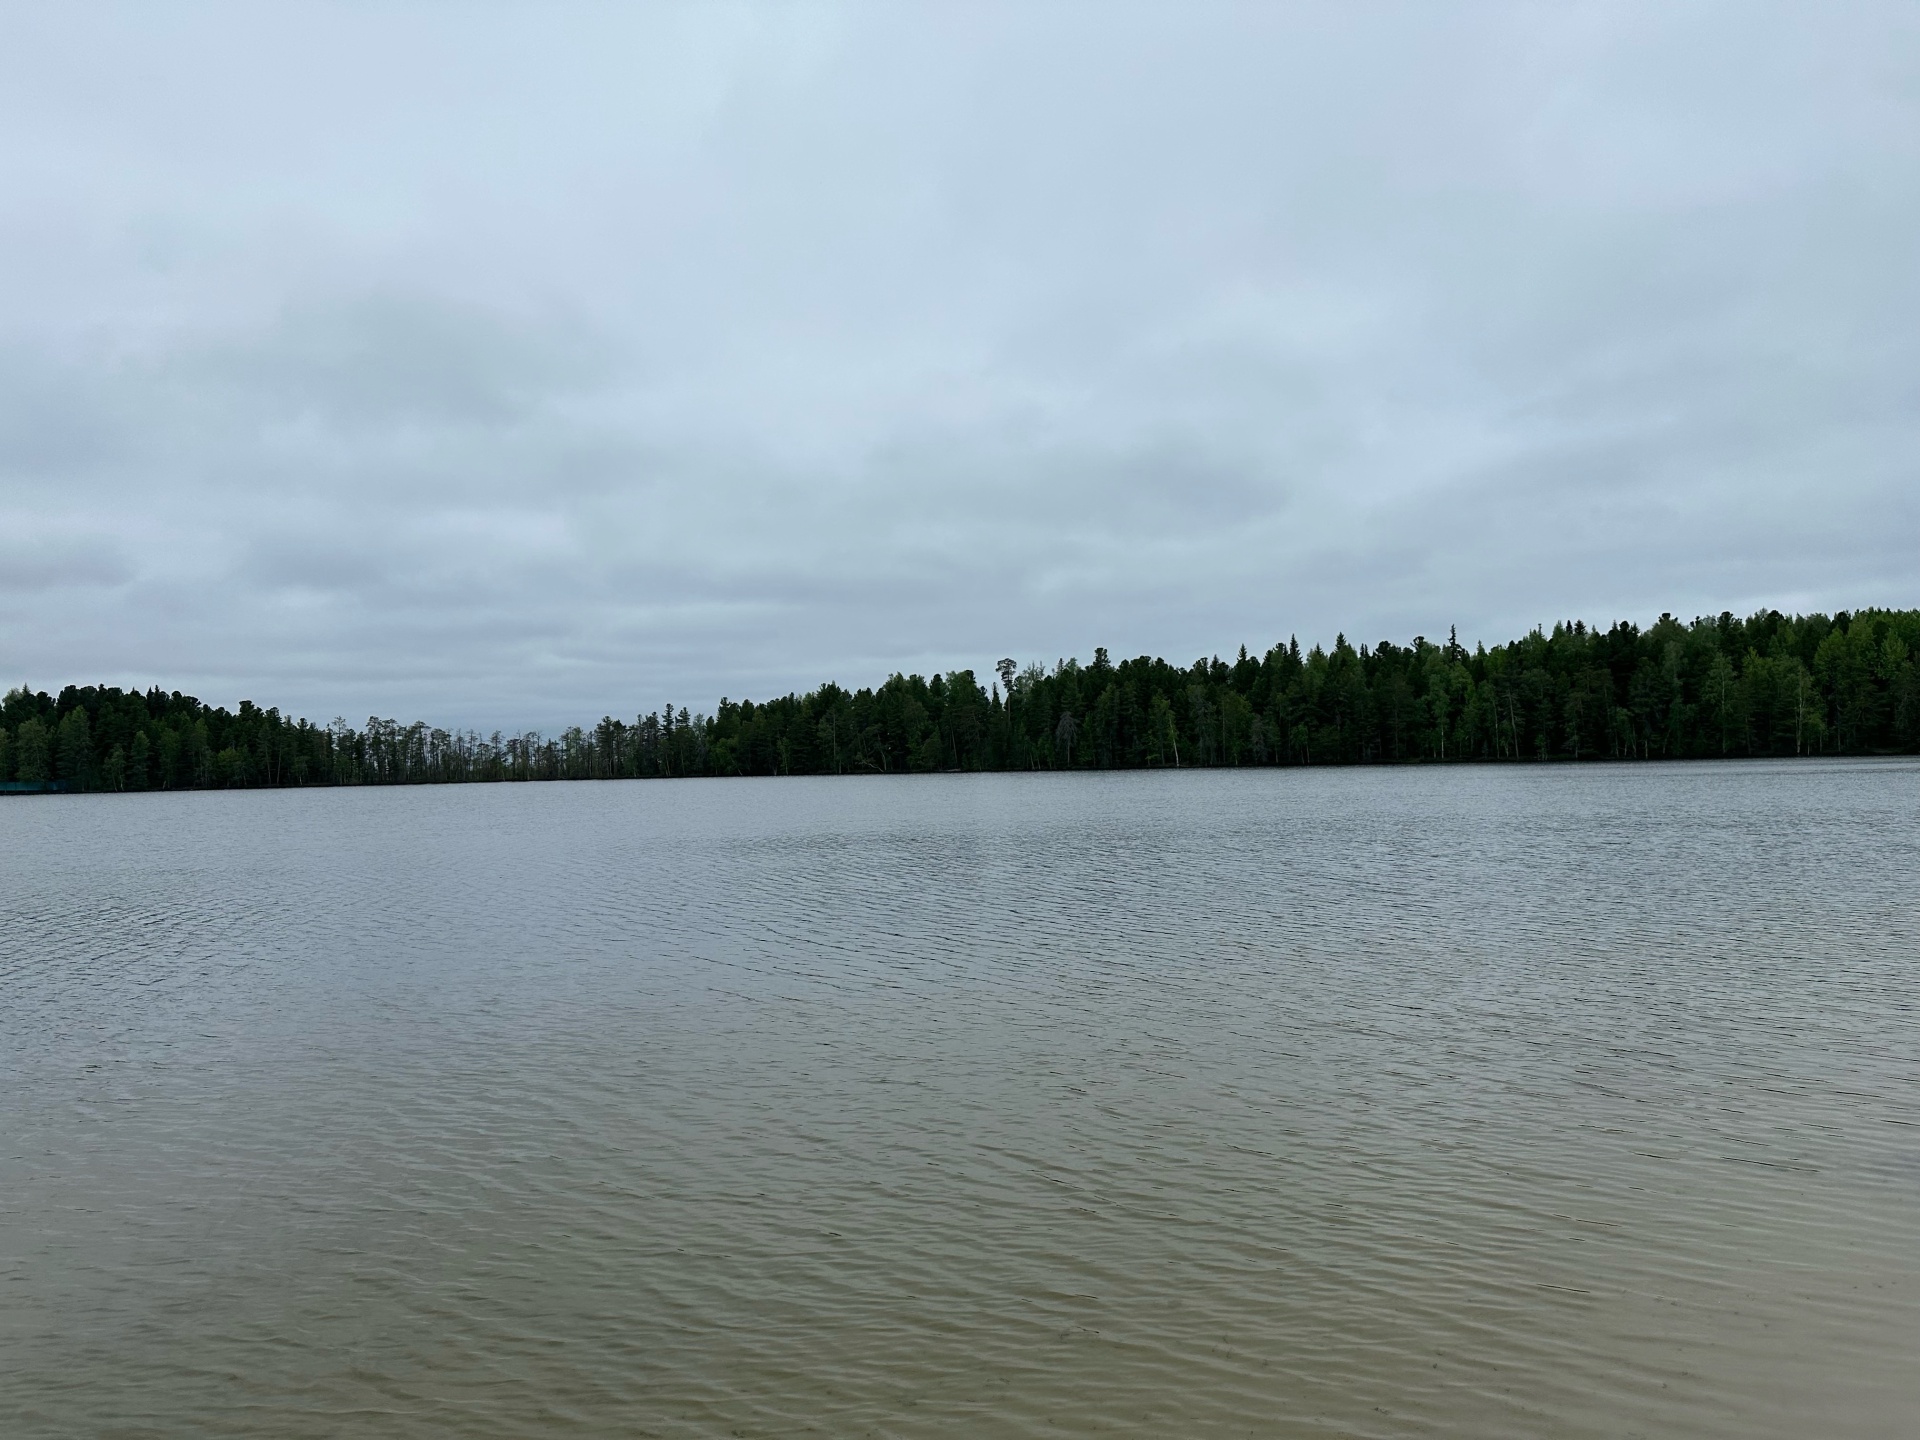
76, 750
31, 757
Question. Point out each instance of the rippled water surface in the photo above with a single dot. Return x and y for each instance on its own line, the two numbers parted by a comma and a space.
1480, 1102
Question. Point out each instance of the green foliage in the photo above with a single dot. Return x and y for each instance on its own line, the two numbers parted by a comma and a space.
75, 758
1767, 685
33, 752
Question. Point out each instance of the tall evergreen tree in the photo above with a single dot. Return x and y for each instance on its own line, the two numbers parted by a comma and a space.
33, 760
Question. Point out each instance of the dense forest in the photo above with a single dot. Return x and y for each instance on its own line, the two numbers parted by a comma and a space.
1767, 685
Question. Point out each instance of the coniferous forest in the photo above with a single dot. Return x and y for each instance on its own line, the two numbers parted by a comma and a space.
1769, 685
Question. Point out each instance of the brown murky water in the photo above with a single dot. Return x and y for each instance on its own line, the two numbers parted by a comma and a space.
1479, 1102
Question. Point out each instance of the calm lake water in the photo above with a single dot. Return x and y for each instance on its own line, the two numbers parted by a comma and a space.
1477, 1101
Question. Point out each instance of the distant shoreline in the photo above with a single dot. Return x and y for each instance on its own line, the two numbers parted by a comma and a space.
1716, 688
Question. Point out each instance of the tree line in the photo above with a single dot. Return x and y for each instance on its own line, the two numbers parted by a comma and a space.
1767, 685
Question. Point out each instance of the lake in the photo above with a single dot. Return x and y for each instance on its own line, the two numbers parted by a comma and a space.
1465, 1101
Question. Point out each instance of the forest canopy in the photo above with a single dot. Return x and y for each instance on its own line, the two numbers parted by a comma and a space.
1718, 687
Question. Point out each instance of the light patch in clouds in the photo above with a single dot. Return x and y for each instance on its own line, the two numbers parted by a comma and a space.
511, 367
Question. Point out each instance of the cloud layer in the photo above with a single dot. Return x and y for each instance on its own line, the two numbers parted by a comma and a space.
511, 367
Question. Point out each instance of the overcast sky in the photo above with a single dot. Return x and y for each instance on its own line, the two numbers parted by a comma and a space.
512, 365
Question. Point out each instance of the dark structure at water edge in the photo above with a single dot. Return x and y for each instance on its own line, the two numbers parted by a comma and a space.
1772, 684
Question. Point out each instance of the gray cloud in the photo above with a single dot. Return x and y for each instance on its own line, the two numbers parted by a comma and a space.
50, 565
525, 366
